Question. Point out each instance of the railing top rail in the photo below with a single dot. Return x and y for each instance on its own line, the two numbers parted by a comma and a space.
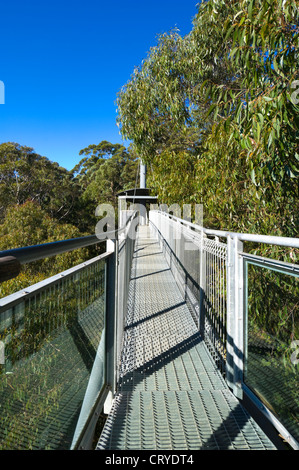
269, 239
33, 253
36, 252
13, 299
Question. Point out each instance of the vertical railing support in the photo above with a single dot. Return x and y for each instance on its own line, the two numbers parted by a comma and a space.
202, 285
230, 313
235, 320
111, 313
239, 320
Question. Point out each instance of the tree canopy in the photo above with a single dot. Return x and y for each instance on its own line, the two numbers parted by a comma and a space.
104, 171
219, 101
25, 175
28, 224
41, 202
213, 114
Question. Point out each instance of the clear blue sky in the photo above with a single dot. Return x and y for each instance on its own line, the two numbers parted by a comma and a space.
63, 63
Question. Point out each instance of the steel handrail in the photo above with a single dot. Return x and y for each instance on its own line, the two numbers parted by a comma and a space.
271, 239
12, 299
29, 254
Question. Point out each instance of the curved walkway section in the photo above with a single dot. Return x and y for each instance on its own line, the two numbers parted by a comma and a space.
170, 395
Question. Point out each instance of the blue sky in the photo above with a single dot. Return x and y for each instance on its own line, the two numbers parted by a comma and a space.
63, 63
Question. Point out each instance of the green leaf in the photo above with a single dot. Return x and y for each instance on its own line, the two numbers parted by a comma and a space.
261, 118
230, 29
232, 53
275, 65
250, 7
238, 111
252, 175
258, 131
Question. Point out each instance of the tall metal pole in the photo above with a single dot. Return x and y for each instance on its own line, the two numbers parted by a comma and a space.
142, 175
142, 206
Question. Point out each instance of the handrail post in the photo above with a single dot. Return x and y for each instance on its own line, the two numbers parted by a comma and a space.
111, 313
235, 319
239, 319
202, 285
230, 313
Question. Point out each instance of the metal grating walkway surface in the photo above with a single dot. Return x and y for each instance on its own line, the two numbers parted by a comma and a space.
170, 395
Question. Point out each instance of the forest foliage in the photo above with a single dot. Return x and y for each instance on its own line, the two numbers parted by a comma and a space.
41, 202
215, 115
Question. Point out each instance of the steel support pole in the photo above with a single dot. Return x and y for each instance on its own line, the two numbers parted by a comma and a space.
230, 313
111, 315
235, 318
202, 285
239, 319
142, 175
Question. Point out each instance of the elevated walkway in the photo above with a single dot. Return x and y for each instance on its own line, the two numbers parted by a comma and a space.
170, 395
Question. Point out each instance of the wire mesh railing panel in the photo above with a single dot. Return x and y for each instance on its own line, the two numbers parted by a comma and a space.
247, 310
272, 345
182, 252
215, 311
125, 255
192, 258
50, 337
199, 267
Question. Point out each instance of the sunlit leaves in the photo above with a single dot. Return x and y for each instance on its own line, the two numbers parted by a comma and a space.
232, 77
25, 175
154, 106
28, 224
105, 170
265, 43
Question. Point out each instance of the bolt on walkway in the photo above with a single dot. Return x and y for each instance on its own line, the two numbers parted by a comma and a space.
170, 395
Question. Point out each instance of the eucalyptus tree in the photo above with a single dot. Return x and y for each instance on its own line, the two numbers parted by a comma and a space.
26, 175
233, 73
164, 104
153, 107
104, 171
260, 111
28, 224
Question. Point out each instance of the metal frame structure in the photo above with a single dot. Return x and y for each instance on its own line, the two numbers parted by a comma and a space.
210, 268
117, 259
167, 227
